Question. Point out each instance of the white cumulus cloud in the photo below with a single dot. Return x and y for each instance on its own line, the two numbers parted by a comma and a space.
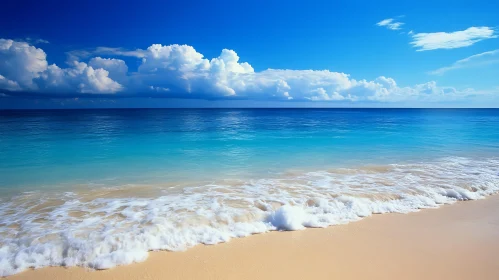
21, 62
183, 69
80, 78
116, 68
451, 40
8, 84
24, 67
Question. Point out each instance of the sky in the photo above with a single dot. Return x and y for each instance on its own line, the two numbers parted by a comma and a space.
89, 54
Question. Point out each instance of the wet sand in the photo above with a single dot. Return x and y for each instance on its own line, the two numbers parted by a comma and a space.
459, 241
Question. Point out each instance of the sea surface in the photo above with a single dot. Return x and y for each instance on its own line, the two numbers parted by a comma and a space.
101, 188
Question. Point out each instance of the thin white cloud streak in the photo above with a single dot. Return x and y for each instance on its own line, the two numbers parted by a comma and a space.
179, 71
451, 40
481, 59
77, 55
391, 24
119, 52
36, 41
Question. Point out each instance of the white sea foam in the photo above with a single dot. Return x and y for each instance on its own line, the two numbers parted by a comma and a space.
76, 229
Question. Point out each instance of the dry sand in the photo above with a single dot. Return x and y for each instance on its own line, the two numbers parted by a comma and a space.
459, 241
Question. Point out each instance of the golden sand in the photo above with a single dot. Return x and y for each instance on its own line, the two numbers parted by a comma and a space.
459, 241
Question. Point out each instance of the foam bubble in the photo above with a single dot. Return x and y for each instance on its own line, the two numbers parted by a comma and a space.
39, 229
288, 218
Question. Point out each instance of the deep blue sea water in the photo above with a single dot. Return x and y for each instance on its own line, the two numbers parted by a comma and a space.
100, 188
50, 147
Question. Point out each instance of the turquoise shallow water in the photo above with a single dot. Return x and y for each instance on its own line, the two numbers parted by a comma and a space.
101, 188
47, 148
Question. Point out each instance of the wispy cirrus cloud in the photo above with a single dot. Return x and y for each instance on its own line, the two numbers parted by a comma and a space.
76, 55
391, 24
481, 59
36, 41
451, 40
139, 53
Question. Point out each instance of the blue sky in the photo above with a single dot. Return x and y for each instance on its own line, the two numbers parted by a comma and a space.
383, 54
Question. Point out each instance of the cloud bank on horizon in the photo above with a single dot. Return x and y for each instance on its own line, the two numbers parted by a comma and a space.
179, 71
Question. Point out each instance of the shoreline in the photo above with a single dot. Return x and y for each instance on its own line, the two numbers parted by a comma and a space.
457, 241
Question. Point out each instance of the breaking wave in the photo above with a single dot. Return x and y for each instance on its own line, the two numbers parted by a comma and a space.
103, 228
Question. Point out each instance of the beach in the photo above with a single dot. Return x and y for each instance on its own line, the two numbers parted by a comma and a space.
457, 241
224, 140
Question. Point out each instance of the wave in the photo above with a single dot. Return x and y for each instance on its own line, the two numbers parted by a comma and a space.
104, 228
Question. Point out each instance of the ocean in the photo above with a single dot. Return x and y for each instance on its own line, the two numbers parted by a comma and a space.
101, 188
